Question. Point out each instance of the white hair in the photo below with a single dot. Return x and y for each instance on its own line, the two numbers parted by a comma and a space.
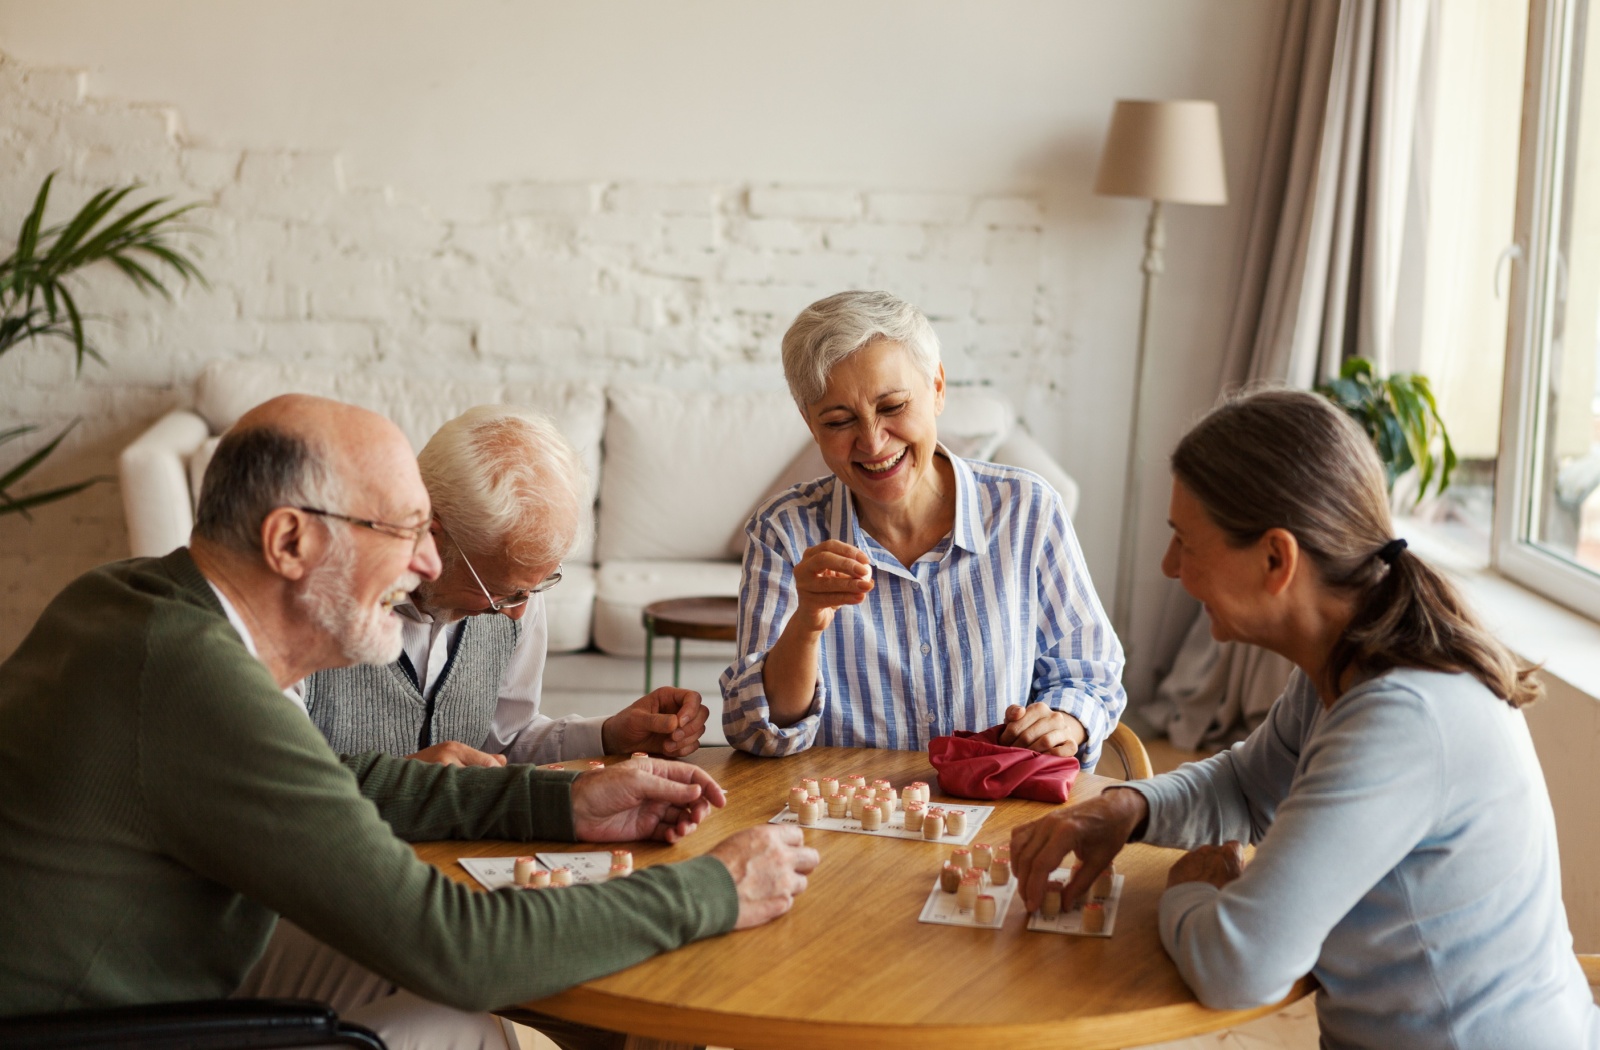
831, 329
504, 479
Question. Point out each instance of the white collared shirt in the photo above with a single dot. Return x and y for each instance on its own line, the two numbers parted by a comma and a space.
293, 692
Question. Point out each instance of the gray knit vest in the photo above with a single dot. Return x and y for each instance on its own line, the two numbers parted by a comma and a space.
371, 708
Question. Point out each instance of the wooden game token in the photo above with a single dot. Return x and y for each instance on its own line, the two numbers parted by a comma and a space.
847, 790
1003, 853
838, 805
623, 857
797, 797
811, 786
886, 803
538, 879
1000, 872
923, 795
858, 781
620, 871
1102, 885
955, 822
522, 869
961, 858
967, 892
1050, 907
830, 786
908, 795
640, 754
871, 817
561, 876
857, 803
880, 786
982, 856
552, 765
949, 877
983, 910
933, 823
1094, 918
596, 764
912, 817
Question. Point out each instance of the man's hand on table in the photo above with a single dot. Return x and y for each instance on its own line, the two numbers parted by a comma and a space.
769, 865
1039, 727
643, 798
667, 721
1218, 865
1094, 831
455, 753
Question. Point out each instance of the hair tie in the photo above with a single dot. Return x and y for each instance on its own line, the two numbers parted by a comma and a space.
1390, 551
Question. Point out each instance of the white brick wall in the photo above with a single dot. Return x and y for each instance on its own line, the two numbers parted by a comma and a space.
680, 284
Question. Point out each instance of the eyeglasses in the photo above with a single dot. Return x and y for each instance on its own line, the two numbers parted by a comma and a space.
513, 601
415, 533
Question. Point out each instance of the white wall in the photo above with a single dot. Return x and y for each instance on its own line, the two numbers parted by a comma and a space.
640, 191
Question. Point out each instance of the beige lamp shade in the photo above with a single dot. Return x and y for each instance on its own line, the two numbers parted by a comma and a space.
1164, 151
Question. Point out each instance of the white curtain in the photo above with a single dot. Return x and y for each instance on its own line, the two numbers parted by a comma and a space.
1329, 248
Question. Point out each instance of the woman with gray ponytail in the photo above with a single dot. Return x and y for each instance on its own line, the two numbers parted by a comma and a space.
1405, 846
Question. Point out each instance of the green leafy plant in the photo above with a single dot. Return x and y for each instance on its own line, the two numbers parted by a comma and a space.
1401, 417
37, 302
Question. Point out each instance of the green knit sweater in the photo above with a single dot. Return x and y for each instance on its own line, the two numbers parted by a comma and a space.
162, 802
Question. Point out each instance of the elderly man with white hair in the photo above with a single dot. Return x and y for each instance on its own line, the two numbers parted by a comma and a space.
508, 492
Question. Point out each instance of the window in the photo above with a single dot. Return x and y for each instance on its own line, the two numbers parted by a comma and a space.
1547, 510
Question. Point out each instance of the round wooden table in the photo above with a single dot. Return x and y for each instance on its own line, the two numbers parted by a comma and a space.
851, 967
706, 619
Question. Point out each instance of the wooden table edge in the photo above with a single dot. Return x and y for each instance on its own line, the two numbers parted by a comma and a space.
755, 1032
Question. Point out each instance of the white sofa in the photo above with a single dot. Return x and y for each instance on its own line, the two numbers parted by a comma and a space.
677, 475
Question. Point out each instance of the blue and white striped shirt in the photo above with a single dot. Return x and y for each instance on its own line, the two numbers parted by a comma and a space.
999, 612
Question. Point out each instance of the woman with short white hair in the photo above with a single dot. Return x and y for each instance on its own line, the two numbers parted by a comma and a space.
911, 593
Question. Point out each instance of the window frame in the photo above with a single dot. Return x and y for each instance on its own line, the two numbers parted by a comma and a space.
1547, 126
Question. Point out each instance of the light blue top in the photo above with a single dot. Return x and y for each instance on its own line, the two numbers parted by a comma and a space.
1406, 855
1001, 611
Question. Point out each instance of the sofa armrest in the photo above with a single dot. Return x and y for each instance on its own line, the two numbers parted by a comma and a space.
1021, 450
155, 483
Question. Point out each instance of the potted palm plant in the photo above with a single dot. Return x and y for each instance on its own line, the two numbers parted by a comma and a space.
37, 301
1402, 418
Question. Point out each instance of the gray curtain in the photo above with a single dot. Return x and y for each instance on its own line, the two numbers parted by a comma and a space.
1333, 239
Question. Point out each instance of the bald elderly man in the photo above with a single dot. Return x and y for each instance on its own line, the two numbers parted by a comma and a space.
508, 492
163, 802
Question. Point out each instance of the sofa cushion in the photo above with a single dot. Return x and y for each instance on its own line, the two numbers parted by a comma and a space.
624, 588
228, 389
683, 469
569, 608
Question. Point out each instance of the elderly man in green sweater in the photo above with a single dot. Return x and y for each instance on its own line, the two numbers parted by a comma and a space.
163, 802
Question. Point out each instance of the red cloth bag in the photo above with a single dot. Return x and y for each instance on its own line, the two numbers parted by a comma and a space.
977, 765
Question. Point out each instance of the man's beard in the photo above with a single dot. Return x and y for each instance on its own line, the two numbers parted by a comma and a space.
365, 635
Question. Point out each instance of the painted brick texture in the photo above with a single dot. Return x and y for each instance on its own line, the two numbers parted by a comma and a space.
677, 284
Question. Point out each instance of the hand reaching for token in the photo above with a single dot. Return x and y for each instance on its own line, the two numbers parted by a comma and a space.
769, 865
643, 798
827, 576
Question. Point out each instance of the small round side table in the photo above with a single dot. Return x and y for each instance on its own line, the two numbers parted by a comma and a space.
706, 619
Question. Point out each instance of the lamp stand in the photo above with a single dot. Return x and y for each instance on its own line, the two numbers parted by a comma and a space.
1155, 242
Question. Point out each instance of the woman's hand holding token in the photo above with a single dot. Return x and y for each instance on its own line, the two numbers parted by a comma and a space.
827, 576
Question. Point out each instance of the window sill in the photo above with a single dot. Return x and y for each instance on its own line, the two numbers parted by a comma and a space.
1536, 628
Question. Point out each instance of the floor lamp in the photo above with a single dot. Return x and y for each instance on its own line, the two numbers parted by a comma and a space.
1163, 152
